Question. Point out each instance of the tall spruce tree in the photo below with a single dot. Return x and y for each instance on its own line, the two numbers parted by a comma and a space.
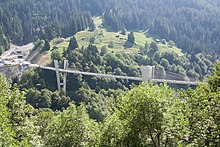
73, 44
131, 38
46, 45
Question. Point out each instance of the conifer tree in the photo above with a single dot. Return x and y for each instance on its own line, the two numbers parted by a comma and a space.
73, 44
46, 45
131, 38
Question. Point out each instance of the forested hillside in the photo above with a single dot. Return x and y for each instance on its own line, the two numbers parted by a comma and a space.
40, 85
193, 25
23, 21
179, 37
147, 115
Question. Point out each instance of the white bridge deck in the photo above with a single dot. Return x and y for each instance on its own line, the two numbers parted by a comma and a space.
116, 76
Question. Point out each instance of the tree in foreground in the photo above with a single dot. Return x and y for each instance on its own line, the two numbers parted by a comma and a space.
72, 127
15, 129
214, 81
202, 111
152, 115
7, 133
140, 118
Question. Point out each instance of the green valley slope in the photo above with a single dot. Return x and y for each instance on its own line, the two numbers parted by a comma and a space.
103, 37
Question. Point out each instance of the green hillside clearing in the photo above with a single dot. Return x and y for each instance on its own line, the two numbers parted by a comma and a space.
104, 37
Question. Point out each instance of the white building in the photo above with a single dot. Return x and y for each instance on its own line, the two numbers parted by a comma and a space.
22, 52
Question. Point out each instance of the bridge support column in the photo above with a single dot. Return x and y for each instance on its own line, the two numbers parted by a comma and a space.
65, 75
147, 73
57, 73
59, 84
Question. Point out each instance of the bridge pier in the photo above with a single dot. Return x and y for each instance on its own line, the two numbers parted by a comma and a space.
147, 73
57, 74
59, 84
65, 75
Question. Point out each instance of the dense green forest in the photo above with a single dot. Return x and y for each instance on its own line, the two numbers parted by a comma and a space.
147, 115
23, 21
41, 86
193, 25
179, 37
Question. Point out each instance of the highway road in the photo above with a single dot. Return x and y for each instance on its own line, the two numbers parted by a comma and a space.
8, 52
8, 64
